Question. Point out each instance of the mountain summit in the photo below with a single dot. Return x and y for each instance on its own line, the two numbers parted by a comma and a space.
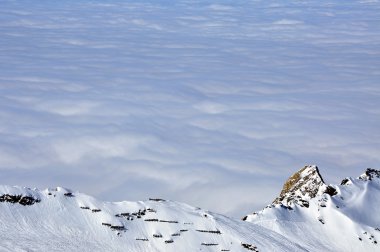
302, 186
323, 217
370, 174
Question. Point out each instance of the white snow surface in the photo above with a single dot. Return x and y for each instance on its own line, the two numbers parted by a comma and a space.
347, 221
64, 222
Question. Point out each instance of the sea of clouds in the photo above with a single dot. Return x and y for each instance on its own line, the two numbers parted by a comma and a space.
213, 103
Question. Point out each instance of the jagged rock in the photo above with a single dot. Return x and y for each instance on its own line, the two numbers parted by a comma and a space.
120, 228
249, 247
331, 191
301, 187
345, 181
287, 207
20, 199
370, 174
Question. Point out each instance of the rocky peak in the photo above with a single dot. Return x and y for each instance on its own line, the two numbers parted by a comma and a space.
370, 174
302, 186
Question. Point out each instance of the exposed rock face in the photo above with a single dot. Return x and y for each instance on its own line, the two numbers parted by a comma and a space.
346, 181
370, 174
331, 191
301, 187
20, 199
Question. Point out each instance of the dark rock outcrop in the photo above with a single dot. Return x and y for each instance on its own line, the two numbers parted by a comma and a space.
345, 181
19, 199
249, 247
370, 174
330, 191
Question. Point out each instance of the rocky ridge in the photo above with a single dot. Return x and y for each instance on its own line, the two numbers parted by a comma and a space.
325, 217
370, 174
302, 186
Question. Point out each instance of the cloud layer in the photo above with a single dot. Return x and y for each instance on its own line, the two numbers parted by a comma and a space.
213, 103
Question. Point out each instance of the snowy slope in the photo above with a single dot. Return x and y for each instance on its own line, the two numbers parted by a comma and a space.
308, 215
326, 217
61, 220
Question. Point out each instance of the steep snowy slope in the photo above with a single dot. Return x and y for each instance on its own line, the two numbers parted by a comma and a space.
61, 220
324, 217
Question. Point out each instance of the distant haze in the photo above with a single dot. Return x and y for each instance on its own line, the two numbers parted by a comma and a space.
212, 103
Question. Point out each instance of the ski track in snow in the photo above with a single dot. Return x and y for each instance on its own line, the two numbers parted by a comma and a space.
197, 101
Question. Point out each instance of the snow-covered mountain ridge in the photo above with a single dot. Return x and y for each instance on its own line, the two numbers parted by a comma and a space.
308, 215
325, 217
62, 220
